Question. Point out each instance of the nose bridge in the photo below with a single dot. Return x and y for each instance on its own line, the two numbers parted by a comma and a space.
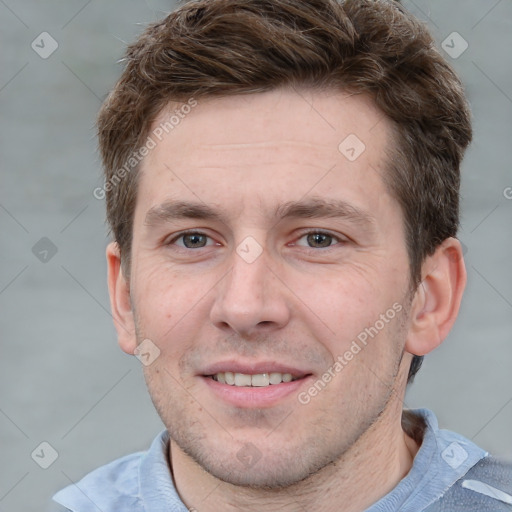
248, 281
249, 297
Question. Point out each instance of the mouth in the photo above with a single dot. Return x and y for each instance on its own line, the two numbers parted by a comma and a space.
256, 380
254, 385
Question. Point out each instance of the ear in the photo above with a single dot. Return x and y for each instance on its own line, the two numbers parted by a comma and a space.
436, 303
120, 302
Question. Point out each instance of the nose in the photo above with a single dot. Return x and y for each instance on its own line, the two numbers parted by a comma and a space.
251, 299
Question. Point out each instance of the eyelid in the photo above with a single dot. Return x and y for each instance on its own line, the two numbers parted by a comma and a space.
181, 234
341, 239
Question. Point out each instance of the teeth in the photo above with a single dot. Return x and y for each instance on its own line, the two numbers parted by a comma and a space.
260, 380
256, 380
276, 378
241, 379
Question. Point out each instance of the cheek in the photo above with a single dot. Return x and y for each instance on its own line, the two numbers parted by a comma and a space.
350, 303
155, 300
345, 296
162, 292
168, 305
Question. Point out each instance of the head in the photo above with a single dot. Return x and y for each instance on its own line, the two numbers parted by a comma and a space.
267, 98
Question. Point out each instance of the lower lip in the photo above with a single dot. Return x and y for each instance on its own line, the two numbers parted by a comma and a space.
257, 397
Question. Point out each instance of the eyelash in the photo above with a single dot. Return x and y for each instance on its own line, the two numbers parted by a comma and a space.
320, 232
302, 235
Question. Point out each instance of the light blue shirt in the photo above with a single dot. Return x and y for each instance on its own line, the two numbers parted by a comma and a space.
142, 482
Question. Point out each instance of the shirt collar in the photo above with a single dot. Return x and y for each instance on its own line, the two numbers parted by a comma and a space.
157, 489
442, 459
143, 482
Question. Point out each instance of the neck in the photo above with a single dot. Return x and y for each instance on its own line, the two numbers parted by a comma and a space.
382, 456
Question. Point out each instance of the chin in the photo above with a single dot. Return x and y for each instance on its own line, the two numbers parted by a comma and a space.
248, 467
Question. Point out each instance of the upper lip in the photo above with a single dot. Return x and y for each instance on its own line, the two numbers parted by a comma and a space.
253, 368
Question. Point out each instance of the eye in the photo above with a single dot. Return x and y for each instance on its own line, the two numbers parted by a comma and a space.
191, 240
319, 239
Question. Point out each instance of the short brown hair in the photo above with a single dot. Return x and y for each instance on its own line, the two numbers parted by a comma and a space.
209, 48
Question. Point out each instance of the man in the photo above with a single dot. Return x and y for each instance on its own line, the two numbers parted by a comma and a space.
282, 183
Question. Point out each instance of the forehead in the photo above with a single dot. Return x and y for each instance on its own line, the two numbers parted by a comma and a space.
267, 148
285, 115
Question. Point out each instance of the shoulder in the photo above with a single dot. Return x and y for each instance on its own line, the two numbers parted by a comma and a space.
113, 485
457, 475
487, 486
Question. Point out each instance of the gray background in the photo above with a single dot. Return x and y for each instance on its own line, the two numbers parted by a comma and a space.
63, 379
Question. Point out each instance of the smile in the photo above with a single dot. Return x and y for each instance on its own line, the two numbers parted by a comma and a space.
253, 380
253, 384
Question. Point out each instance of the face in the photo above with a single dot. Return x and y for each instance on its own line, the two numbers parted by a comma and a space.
270, 274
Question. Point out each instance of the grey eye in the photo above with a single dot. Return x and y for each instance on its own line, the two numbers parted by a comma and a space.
319, 239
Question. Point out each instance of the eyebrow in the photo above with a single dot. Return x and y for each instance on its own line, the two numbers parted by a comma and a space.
311, 208
314, 208
175, 210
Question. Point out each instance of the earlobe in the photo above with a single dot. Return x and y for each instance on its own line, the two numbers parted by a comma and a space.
120, 302
437, 300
